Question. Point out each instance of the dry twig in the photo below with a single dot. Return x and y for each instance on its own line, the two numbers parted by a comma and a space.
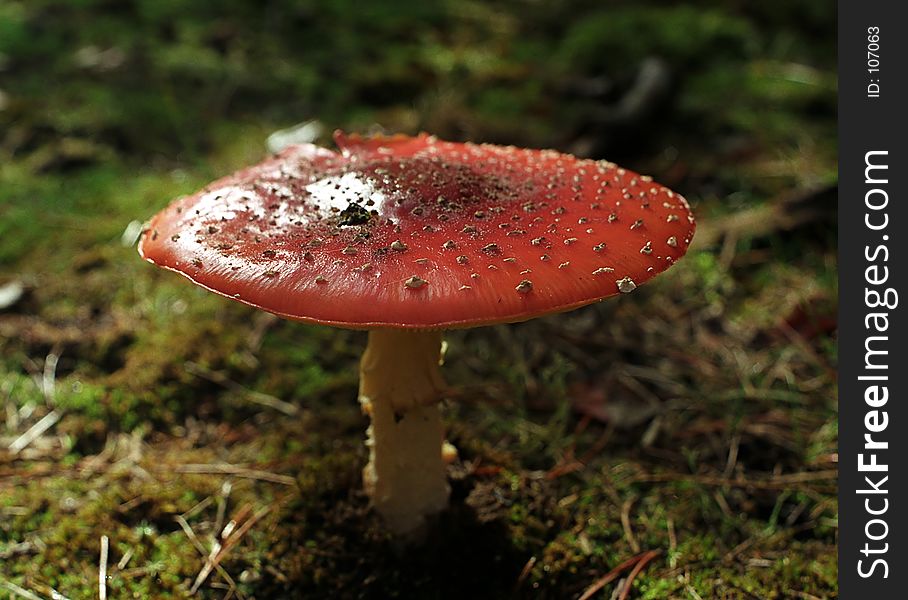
648, 556
218, 552
18, 591
201, 549
256, 397
614, 573
524, 573
626, 524
34, 432
775, 482
236, 471
102, 568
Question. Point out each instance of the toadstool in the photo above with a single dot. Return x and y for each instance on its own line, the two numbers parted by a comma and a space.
406, 237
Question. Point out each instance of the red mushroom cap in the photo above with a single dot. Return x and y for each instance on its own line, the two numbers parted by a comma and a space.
414, 232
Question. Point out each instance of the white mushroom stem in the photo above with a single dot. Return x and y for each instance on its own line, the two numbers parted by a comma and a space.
400, 385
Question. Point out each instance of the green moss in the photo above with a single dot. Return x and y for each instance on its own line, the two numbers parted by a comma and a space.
682, 34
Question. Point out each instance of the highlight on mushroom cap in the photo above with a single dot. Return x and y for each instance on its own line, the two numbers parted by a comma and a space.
415, 232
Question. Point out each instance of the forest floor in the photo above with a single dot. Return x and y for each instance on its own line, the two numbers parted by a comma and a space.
680, 441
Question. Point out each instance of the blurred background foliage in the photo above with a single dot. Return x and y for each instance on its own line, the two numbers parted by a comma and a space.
110, 108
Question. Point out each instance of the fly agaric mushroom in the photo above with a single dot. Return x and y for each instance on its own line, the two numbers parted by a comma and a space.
408, 236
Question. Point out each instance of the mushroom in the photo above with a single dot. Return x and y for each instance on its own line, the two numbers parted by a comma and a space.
406, 237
